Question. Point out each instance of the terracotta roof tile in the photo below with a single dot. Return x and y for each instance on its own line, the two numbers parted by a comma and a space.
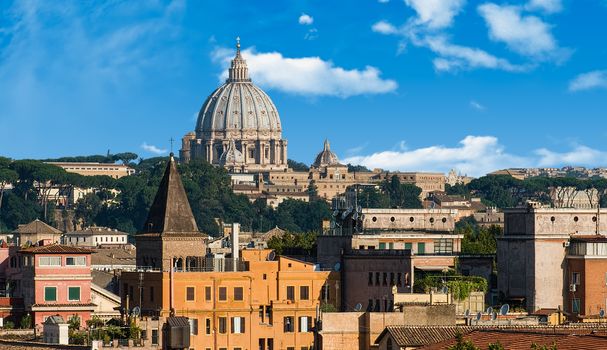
523, 339
37, 226
56, 249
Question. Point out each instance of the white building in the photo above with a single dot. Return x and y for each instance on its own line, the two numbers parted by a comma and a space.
96, 236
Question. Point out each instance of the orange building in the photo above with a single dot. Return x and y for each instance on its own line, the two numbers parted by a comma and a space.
252, 300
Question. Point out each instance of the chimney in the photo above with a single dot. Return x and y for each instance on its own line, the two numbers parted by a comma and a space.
235, 245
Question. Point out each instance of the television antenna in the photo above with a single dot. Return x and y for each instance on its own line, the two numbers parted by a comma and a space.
504, 309
272, 256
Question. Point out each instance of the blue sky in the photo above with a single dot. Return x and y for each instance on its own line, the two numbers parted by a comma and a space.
400, 84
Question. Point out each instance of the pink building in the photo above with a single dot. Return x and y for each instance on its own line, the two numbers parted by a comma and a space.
56, 280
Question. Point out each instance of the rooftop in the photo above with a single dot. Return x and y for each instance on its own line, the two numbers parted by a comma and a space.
56, 249
36, 227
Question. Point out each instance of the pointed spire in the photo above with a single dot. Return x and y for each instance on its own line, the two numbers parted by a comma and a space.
170, 213
327, 146
238, 71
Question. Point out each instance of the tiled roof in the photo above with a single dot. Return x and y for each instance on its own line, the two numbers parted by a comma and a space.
65, 305
513, 339
38, 227
56, 249
114, 256
422, 335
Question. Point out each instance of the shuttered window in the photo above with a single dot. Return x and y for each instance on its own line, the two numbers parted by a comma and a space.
50, 293
73, 293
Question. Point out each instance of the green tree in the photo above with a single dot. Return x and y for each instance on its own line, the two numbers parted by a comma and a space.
462, 344
312, 191
26, 321
297, 166
496, 346
7, 177
125, 157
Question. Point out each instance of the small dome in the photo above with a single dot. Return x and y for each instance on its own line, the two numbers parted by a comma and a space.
231, 156
326, 157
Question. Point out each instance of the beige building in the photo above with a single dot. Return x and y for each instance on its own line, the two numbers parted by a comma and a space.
35, 232
112, 170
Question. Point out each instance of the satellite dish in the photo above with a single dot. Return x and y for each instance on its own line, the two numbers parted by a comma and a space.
493, 316
504, 309
272, 256
489, 310
602, 313
478, 316
136, 311
467, 313
337, 267
358, 307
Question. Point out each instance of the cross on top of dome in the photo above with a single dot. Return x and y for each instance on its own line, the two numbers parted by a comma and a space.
238, 71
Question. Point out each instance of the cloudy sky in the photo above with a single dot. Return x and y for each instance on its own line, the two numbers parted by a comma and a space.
398, 84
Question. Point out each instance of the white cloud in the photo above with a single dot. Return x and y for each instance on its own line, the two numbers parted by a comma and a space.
153, 149
591, 80
548, 6
427, 29
475, 156
384, 27
477, 106
306, 19
526, 35
383, 1
456, 57
436, 14
579, 155
311, 76
312, 34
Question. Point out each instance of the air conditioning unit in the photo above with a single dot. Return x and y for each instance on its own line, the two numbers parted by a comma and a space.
572, 288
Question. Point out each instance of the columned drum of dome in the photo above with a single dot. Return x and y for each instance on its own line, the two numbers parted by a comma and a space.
242, 113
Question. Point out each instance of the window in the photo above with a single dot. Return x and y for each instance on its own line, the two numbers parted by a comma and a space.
223, 294
382, 245
443, 245
288, 324
270, 344
190, 293
238, 293
291, 293
207, 293
377, 278
73, 293
399, 279
154, 337
575, 278
385, 280
370, 278
575, 305
207, 326
408, 246
391, 278
305, 324
304, 293
50, 261
238, 325
50, 293
421, 248
152, 293
223, 325
193, 326
269, 314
